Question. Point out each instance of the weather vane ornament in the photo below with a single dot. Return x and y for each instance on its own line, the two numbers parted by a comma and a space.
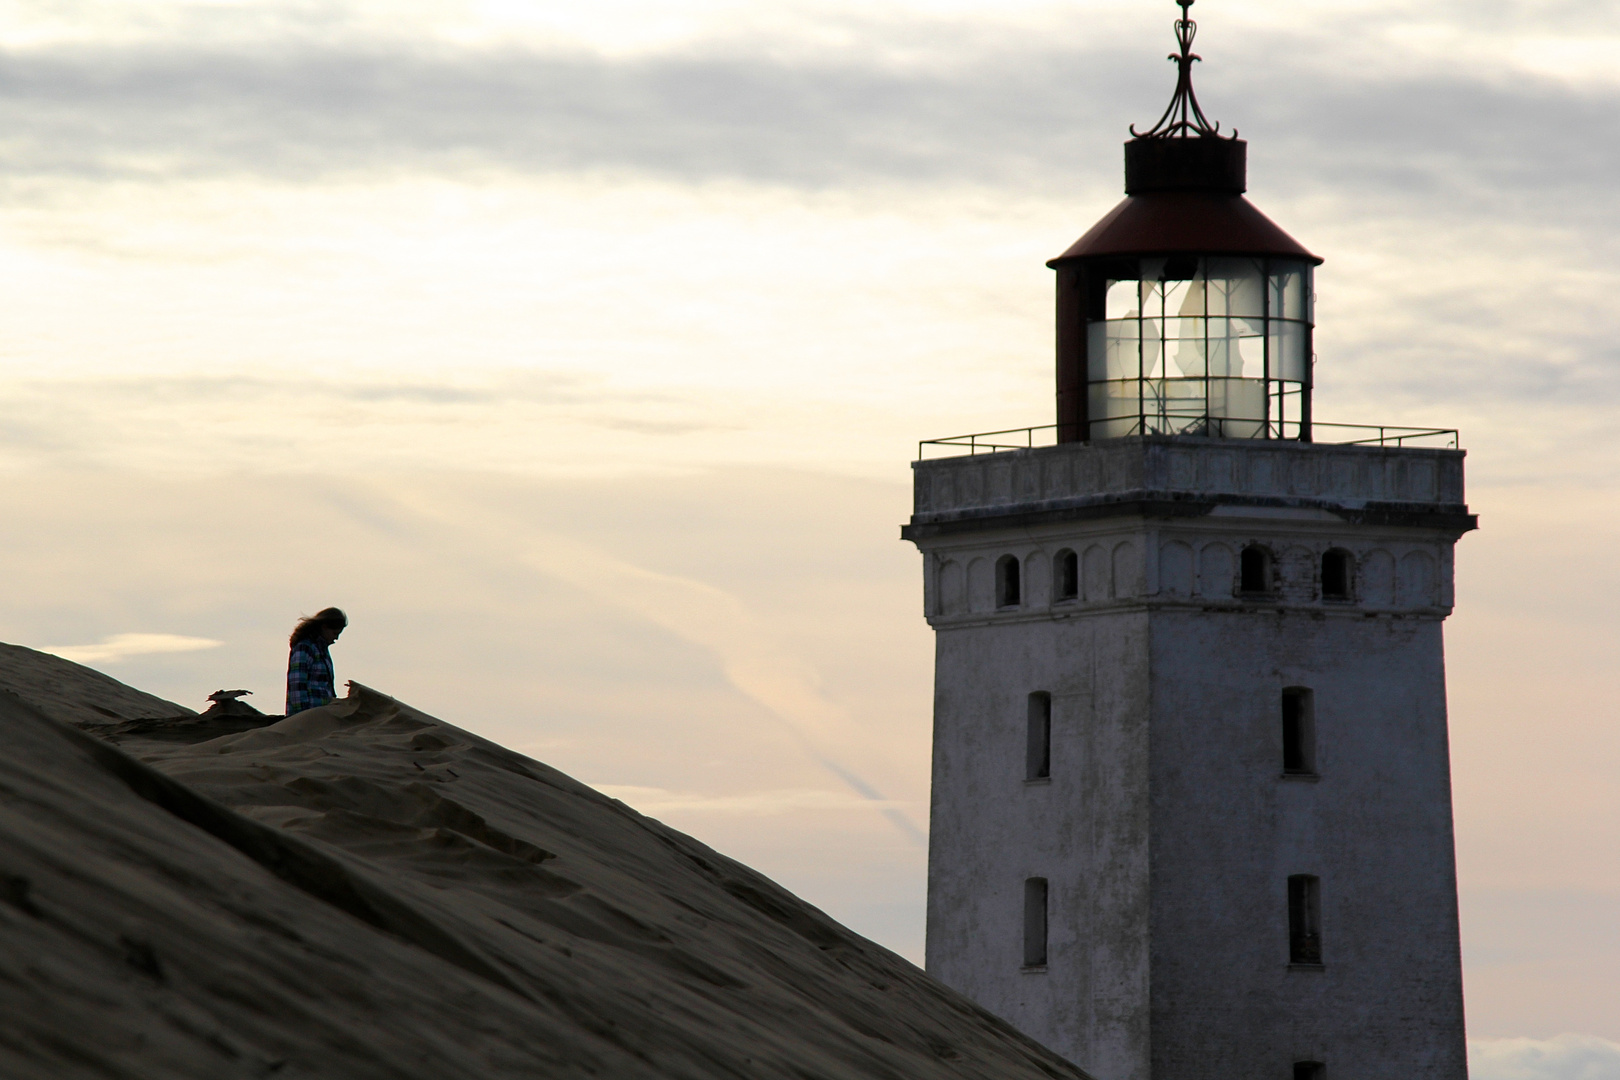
1183, 118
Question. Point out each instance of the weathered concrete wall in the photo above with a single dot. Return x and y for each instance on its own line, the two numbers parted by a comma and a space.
1167, 831
1054, 476
1229, 829
1396, 571
1085, 830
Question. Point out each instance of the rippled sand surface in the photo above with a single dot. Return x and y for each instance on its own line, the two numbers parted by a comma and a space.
363, 890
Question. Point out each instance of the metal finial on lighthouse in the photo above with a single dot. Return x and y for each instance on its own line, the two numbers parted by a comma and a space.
1183, 118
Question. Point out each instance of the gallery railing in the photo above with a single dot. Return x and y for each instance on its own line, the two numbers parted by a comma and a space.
995, 442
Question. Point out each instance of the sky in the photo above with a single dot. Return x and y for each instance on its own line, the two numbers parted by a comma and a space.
580, 351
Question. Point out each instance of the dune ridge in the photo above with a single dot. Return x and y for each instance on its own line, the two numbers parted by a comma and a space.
363, 890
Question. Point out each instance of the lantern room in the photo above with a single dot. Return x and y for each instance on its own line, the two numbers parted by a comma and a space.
1185, 310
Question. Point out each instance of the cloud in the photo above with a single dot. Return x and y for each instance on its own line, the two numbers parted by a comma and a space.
1463, 204
204, 390
296, 111
1566, 1057
1036, 111
297, 420
755, 656
116, 647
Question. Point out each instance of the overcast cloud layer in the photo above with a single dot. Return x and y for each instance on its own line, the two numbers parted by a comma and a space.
1489, 183
1040, 114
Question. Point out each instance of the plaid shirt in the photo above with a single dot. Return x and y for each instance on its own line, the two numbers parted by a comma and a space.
309, 677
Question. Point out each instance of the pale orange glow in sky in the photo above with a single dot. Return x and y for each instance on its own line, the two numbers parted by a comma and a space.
579, 351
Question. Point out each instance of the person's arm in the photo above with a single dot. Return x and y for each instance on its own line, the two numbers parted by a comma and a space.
300, 669
328, 687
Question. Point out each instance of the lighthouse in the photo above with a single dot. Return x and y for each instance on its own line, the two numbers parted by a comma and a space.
1191, 805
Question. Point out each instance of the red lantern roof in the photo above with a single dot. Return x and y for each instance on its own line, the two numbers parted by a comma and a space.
1191, 222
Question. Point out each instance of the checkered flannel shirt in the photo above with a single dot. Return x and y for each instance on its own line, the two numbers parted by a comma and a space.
309, 677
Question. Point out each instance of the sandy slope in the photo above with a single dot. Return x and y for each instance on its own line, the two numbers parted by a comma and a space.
365, 891
77, 694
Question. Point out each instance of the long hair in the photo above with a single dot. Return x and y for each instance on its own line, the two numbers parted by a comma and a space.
310, 624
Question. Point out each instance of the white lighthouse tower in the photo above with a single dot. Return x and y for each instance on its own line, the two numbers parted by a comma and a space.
1191, 792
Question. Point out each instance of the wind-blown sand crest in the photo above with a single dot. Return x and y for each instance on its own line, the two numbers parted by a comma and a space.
365, 891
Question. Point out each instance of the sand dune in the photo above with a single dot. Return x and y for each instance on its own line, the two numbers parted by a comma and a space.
362, 890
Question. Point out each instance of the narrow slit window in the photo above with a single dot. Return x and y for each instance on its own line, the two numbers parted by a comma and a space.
1008, 593
1035, 922
1304, 919
1336, 575
1254, 570
1299, 731
1038, 753
1310, 1070
1066, 572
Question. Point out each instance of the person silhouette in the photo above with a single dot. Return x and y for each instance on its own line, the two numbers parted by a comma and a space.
309, 666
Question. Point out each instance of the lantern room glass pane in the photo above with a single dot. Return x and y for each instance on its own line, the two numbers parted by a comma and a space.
1124, 301
1240, 406
1290, 293
1180, 399
1114, 349
1201, 346
1236, 287
1287, 406
1250, 361
1176, 300
1114, 399
1116, 409
1289, 351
